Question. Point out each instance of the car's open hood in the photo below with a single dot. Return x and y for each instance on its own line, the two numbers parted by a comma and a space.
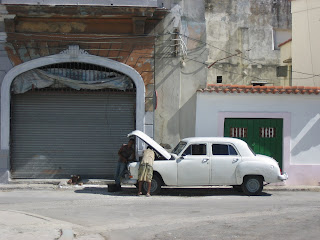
150, 142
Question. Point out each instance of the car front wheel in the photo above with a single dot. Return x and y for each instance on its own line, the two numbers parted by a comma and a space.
252, 185
155, 186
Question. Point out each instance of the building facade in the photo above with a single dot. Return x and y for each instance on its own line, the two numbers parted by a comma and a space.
243, 39
77, 77
274, 121
305, 47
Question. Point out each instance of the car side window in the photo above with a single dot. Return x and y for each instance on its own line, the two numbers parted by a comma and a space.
223, 149
196, 149
232, 151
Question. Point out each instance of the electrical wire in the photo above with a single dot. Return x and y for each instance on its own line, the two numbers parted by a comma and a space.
236, 73
97, 36
66, 38
197, 40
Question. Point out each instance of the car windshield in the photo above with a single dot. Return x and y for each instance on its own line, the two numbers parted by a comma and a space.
179, 147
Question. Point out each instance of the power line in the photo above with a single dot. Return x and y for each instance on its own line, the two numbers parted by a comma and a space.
92, 36
236, 73
225, 70
67, 37
236, 55
98, 37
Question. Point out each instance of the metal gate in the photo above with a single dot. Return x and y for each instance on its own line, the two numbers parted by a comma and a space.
58, 134
264, 136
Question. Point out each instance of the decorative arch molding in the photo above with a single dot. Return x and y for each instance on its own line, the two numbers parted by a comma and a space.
73, 54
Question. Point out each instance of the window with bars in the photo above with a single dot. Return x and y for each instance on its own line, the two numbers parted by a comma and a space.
267, 132
238, 132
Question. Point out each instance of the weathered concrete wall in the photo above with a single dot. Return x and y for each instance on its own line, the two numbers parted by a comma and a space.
119, 33
5, 66
178, 76
147, 3
178, 58
286, 60
247, 26
39, 31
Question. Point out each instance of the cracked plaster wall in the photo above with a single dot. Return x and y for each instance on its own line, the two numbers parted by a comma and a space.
178, 77
245, 25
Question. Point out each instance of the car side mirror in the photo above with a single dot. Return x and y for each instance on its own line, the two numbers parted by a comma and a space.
179, 159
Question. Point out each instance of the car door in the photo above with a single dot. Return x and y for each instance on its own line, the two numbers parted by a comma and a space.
224, 161
194, 166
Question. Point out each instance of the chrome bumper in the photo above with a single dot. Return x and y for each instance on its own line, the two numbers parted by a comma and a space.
283, 177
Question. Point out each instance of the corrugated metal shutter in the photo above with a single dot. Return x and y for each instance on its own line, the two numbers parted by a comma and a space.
55, 134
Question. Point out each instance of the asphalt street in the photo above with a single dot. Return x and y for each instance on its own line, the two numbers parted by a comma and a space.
178, 213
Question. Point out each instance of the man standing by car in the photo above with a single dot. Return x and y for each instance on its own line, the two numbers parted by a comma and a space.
125, 153
145, 172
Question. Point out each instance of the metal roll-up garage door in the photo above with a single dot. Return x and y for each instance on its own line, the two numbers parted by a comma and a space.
56, 134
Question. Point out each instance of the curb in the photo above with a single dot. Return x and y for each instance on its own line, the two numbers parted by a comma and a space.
66, 234
293, 188
46, 186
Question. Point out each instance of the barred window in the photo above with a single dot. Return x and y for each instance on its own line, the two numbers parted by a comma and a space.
239, 132
267, 132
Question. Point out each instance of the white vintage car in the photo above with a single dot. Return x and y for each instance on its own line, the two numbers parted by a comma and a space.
208, 161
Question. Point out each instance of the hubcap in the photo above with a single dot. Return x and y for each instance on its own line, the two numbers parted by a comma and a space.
154, 185
253, 185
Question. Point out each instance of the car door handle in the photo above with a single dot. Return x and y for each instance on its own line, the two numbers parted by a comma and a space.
205, 160
235, 160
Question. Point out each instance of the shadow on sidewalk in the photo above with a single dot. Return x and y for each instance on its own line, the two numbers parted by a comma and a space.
169, 191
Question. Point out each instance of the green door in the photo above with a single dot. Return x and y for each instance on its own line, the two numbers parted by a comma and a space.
264, 136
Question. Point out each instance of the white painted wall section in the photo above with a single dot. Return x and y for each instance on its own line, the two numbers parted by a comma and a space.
300, 112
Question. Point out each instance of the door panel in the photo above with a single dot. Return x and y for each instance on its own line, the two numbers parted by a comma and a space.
223, 169
193, 169
224, 161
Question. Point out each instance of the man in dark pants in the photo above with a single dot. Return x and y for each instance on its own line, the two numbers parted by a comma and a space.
125, 153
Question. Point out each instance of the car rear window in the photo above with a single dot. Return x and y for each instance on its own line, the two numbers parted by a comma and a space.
223, 149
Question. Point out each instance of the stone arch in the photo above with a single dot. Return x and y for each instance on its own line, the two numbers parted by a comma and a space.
73, 54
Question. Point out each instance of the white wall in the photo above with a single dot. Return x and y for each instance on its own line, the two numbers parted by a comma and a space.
301, 145
305, 42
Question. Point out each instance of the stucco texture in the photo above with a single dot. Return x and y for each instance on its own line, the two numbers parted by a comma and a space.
247, 28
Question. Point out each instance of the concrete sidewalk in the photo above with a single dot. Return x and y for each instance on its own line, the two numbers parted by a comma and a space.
26, 226
97, 183
21, 225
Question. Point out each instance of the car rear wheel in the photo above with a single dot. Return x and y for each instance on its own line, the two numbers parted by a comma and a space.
252, 185
155, 186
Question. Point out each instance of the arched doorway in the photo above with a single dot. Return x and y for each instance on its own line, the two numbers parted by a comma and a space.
75, 55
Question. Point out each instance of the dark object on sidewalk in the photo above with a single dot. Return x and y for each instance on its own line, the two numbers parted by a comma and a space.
114, 188
75, 179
